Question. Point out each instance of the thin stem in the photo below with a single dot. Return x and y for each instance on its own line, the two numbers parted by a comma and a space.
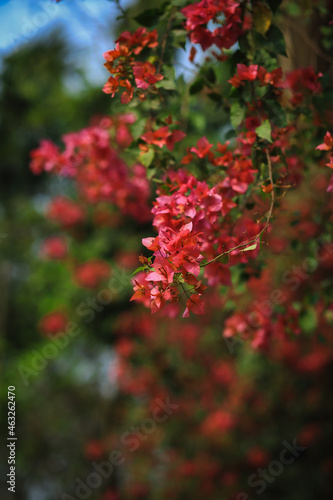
123, 11
181, 284
165, 37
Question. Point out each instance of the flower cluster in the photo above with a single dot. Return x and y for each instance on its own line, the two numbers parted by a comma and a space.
254, 71
65, 212
54, 248
176, 262
163, 137
191, 220
53, 323
228, 13
92, 273
125, 71
101, 174
212, 401
301, 81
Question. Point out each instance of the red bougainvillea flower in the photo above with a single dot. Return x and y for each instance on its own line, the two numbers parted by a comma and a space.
101, 174
139, 39
112, 55
198, 15
218, 422
273, 78
257, 456
125, 71
327, 145
65, 211
92, 273
127, 95
122, 133
93, 450
45, 158
127, 259
163, 137
203, 148
247, 72
301, 80
54, 248
111, 86
194, 304
253, 72
141, 290
53, 323
145, 74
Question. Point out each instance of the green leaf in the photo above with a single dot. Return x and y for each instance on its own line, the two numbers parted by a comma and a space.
237, 113
141, 268
138, 127
293, 9
168, 72
308, 320
179, 38
196, 86
276, 113
251, 247
198, 120
243, 44
151, 172
147, 158
210, 75
166, 84
276, 42
264, 131
179, 3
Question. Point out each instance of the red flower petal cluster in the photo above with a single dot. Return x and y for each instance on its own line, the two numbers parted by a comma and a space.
189, 219
125, 71
44, 158
225, 12
100, 173
327, 145
176, 262
163, 137
300, 80
53, 323
253, 72
66, 212
55, 248
218, 422
139, 40
92, 273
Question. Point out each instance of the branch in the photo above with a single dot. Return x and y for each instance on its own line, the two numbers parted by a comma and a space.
165, 37
123, 11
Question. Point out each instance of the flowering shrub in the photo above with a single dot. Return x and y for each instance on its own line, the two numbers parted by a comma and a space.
201, 213
236, 212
